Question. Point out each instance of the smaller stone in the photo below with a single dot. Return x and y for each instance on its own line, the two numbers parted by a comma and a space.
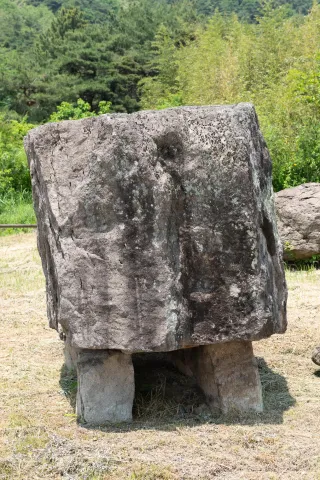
316, 356
298, 218
105, 387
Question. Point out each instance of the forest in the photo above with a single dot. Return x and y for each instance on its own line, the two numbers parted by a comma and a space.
69, 59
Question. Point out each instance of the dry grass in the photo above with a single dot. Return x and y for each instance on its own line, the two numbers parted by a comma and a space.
173, 436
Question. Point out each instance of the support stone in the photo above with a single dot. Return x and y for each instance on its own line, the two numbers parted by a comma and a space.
105, 386
227, 373
70, 355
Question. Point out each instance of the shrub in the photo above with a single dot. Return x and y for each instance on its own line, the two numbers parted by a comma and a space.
14, 172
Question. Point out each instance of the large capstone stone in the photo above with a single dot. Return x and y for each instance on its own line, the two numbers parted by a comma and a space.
157, 229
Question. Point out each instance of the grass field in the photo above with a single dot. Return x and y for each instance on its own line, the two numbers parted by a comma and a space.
16, 209
40, 437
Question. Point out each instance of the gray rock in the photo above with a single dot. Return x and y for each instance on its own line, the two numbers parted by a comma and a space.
316, 356
298, 214
105, 387
70, 355
227, 373
157, 230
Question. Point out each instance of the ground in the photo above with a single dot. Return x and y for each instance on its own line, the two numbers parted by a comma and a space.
173, 436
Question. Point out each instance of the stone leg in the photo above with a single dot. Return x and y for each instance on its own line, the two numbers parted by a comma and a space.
226, 372
105, 386
70, 355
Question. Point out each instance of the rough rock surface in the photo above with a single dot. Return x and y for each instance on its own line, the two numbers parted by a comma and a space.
316, 356
227, 373
70, 355
298, 213
105, 386
157, 229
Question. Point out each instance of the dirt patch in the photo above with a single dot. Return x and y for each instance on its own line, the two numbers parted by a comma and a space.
173, 435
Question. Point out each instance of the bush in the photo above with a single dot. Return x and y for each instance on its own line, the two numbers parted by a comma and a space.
69, 111
14, 172
16, 207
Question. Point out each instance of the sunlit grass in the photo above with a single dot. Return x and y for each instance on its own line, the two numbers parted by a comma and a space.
40, 438
306, 274
17, 209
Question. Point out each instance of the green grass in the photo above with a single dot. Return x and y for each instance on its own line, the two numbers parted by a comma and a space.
16, 208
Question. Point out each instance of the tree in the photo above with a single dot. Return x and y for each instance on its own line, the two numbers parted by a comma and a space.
14, 173
274, 64
162, 89
82, 109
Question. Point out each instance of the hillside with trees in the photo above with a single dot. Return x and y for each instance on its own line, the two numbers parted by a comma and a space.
68, 59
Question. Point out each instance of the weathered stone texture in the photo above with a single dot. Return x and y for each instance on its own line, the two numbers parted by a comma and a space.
298, 213
227, 373
105, 386
157, 230
70, 355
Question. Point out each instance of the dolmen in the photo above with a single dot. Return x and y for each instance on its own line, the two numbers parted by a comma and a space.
157, 233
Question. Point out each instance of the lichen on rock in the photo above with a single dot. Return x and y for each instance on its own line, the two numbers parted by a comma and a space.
157, 229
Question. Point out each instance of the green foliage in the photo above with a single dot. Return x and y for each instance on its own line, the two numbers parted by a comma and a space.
16, 207
308, 264
249, 10
14, 173
15, 185
162, 90
292, 263
98, 52
66, 20
95, 11
20, 24
273, 63
82, 109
